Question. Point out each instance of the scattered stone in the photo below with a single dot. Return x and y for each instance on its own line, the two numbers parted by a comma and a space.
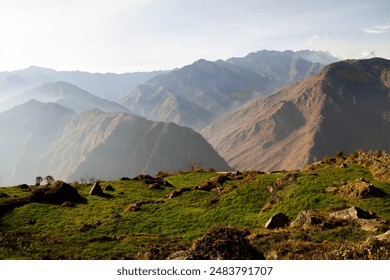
278, 220
30, 222
154, 186
67, 204
180, 255
331, 190
96, 190
307, 219
109, 188
176, 193
143, 177
352, 213
133, 208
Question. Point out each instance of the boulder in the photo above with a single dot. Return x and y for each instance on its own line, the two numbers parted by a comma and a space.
223, 243
278, 220
360, 189
109, 188
133, 208
308, 219
352, 213
58, 193
96, 190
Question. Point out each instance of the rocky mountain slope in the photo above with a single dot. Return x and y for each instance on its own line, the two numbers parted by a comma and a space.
343, 108
198, 94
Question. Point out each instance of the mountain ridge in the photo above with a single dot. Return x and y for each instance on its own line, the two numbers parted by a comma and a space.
329, 104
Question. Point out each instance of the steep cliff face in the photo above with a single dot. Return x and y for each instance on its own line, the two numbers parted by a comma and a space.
343, 108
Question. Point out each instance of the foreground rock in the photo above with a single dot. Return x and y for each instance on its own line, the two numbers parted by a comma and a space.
96, 190
352, 213
223, 243
278, 220
58, 193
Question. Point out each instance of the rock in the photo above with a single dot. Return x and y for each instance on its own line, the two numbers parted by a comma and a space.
384, 237
67, 204
154, 186
58, 193
223, 243
96, 190
24, 186
352, 213
133, 208
143, 177
176, 193
374, 225
278, 220
308, 219
180, 255
360, 189
109, 188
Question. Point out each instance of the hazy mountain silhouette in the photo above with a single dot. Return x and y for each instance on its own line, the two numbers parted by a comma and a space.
65, 94
27, 129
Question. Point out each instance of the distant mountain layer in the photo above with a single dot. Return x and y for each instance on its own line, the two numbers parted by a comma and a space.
343, 108
65, 94
50, 139
108, 86
198, 94
27, 130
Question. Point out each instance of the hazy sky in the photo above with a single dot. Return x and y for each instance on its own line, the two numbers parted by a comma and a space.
142, 35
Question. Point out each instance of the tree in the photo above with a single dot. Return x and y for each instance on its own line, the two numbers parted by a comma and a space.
38, 180
49, 179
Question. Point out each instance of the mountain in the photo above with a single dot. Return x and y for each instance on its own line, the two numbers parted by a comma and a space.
343, 108
27, 130
108, 86
204, 88
65, 94
213, 89
114, 145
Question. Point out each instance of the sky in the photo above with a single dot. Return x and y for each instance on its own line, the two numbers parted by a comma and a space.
144, 35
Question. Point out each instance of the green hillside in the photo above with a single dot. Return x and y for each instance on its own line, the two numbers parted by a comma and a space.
152, 218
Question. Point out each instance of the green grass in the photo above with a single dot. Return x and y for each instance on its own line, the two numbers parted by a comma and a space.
99, 229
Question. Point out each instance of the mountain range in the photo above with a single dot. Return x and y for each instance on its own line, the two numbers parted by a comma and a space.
268, 110
213, 89
344, 107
